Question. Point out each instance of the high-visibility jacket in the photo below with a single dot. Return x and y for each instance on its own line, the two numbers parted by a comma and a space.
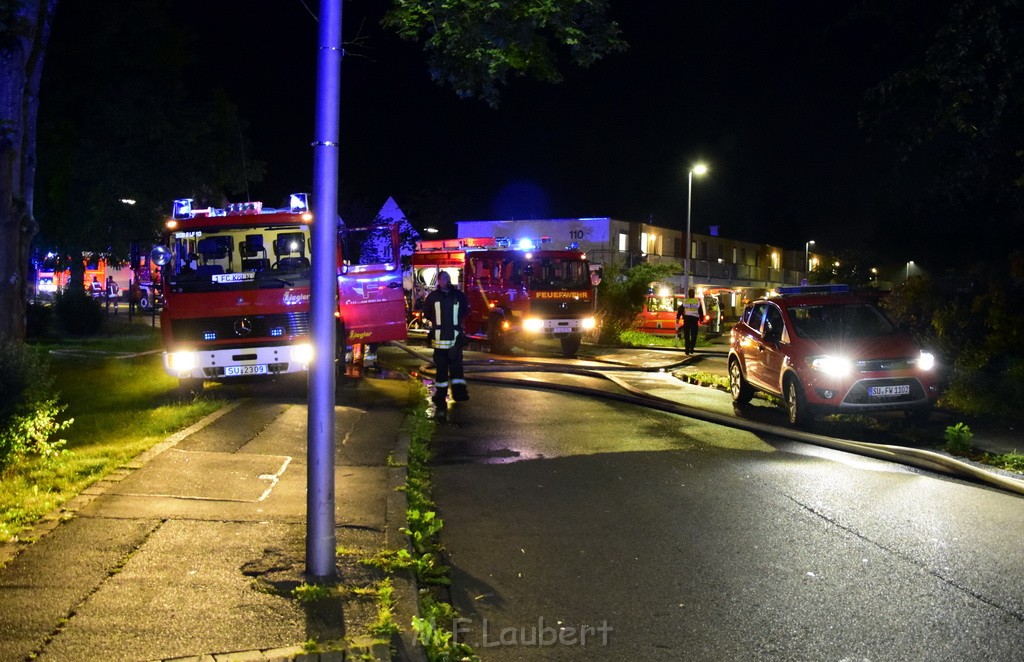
445, 311
690, 307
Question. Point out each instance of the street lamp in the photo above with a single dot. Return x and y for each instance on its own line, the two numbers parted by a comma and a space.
807, 255
909, 264
698, 169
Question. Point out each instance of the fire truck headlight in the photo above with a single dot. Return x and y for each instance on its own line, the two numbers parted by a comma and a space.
302, 353
588, 323
181, 361
533, 324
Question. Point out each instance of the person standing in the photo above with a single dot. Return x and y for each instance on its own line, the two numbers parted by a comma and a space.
446, 308
113, 294
691, 311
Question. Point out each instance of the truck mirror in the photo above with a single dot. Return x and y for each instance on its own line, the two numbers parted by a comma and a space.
161, 255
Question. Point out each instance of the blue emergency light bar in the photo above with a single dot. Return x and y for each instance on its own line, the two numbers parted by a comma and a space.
813, 289
182, 209
523, 244
298, 202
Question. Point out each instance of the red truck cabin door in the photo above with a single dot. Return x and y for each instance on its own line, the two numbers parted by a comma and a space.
371, 301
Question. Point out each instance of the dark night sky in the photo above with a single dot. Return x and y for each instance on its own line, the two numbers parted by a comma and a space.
766, 93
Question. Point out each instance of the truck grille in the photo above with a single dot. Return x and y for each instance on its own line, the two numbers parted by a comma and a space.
554, 309
243, 327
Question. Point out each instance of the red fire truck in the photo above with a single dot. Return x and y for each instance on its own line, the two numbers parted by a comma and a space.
53, 275
145, 280
236, 290
516, 288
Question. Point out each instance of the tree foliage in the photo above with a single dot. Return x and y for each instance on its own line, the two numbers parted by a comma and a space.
954, 114
474, 45
119, 123
621, 294
853, 268
977, 329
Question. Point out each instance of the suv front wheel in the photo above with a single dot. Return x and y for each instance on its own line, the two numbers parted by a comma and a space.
797, 410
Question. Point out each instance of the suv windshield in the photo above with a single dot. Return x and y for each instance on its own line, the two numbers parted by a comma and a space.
839, 320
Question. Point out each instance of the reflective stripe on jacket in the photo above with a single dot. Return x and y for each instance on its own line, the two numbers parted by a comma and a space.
690, 307
446, 310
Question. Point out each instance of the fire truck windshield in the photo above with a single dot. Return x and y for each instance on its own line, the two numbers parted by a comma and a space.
566, 273
240, 258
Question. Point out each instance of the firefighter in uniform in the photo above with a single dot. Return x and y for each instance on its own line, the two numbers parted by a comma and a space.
691, 310
446, 308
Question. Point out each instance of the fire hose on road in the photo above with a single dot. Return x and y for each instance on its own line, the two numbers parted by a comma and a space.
913, 457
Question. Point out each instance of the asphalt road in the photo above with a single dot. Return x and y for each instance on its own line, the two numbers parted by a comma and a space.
583, 529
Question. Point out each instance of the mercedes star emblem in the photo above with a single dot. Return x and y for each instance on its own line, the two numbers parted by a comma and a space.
243, 326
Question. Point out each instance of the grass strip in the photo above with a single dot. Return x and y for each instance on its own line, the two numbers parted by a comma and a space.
120, 407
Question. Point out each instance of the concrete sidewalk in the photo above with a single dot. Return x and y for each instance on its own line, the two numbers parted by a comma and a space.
191, 551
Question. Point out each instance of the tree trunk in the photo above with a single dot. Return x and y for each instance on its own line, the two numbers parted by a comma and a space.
21, 63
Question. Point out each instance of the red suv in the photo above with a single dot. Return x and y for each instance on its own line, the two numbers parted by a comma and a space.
823, 349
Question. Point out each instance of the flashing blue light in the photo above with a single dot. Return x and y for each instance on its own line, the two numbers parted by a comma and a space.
182, 209
298, 202
574, 246
209, 335
526, 244
277, 331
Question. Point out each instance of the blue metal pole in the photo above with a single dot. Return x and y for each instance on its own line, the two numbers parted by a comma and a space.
320, 534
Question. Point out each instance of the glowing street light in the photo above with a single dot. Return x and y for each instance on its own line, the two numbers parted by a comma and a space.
807, 254
909, 264
698, 169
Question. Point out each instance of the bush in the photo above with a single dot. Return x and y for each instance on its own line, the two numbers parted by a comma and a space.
621, 296
958, 439
976, 329
28, 410
78, 314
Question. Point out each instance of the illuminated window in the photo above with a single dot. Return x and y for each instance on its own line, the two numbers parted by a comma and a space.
623, 242
643, 243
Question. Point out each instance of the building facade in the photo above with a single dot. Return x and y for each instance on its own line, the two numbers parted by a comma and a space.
733, 270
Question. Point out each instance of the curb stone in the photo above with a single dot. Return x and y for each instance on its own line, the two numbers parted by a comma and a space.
406, 589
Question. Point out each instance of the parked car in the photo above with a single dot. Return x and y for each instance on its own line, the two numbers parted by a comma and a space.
824, 349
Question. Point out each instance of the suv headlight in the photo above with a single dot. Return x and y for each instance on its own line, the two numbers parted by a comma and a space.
926, 361
831, 365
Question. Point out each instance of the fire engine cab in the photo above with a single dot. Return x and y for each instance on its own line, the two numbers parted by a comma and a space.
236, 290
516, 289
